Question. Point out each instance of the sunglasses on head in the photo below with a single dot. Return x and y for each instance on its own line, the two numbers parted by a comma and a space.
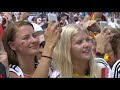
42, 44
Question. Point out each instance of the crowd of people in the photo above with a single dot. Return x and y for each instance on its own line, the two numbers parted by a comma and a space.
74, 47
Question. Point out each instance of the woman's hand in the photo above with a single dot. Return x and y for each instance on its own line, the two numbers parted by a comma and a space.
52, 34
102, 40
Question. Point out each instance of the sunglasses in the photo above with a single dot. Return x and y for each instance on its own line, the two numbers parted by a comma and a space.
42, 44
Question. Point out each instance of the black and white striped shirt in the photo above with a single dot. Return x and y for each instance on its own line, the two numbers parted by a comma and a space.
16, 70
19, 72
116, 69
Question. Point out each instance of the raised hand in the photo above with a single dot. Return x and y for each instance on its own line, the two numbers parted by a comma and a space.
52, 34
102, 40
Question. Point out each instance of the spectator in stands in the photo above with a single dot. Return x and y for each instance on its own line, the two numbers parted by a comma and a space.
63, 21
35, 25
40, 22
41, 43
115, 43
80, 21
113, 24
72, 56
104, 37
22, 44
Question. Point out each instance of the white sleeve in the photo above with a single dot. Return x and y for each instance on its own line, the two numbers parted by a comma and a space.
55, 74
103, 64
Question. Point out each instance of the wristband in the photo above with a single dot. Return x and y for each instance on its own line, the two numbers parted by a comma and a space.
46, 56
98, 54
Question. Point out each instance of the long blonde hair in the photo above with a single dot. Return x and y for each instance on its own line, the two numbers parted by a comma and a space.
62, 52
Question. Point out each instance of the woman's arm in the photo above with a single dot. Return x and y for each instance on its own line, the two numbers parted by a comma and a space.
52, 35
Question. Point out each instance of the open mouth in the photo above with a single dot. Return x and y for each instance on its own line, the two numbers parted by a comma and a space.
86, 51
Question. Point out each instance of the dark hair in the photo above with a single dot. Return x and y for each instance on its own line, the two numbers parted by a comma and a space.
42, 44
34, 19
115, 42
9, 35
75, 19
44, 26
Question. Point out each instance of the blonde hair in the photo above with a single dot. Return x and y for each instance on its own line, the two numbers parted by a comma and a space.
62, 52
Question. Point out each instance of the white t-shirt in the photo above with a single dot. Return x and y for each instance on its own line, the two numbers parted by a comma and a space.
103, 64
113, 24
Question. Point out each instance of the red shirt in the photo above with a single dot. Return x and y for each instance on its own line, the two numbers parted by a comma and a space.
1, 31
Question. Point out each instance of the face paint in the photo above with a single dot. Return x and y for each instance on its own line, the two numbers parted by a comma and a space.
26, 41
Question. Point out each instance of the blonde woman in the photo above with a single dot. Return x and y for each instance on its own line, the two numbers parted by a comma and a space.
72, 56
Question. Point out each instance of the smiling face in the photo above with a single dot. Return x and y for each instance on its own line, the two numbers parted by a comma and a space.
81, 47
26, 41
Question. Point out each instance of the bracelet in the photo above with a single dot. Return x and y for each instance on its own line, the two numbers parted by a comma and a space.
46, 56
98, 54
